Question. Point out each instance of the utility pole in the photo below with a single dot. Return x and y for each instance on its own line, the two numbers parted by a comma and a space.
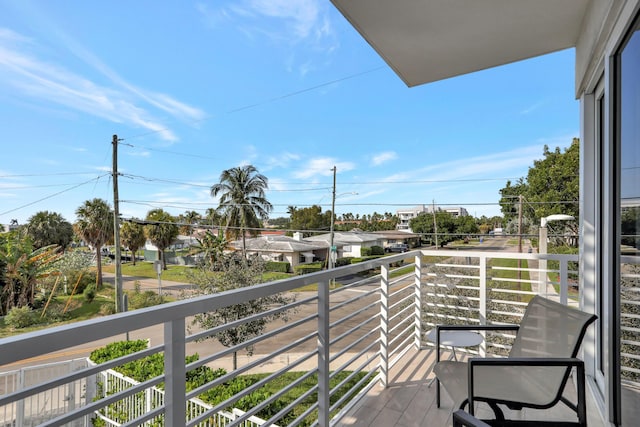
116, 228
332, 251
520, 198
435, 223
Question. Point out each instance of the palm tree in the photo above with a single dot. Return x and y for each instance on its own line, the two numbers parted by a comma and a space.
95, 226
161, 230
132, 236
49, 228
242, 200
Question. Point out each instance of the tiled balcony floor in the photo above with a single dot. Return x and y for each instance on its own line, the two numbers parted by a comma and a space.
408, 401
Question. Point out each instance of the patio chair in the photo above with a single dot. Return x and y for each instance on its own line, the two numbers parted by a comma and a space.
535, 373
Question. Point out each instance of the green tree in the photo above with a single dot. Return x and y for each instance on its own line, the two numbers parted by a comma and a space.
465, 225
445, 222
309, 218
551, 186
94, 225
242, 201
211, 247
22, 268
187, 221
132, 236
161, 230
49, 228
231, 276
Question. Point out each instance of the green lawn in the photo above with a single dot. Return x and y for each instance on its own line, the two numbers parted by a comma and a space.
175, 273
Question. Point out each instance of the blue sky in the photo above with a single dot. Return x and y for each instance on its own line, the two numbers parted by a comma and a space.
193, 88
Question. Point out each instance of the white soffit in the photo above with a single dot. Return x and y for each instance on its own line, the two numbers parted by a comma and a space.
429, 40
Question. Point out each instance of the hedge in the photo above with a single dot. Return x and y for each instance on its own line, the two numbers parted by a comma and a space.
278, 266
307, 268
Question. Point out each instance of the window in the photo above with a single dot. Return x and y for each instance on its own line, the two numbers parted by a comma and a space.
628, 225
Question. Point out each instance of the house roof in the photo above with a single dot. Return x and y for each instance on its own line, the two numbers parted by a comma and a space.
276, 243
345, 237
426, 41
394, 234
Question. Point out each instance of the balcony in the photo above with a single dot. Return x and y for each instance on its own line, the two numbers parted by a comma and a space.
371, 330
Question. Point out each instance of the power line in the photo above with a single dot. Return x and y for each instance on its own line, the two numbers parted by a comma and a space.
258, 104
96, 179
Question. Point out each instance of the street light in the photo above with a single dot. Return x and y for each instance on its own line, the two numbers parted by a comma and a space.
542, 245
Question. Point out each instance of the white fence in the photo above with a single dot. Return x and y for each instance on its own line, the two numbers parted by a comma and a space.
39, 407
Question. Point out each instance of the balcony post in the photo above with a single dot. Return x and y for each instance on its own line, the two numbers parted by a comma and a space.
324, 404
564, 281
418, 300
175, 406
384, 324
482, 316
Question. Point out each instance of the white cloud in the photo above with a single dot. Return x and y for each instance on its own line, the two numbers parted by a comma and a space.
384, 157
288, 23
322, 166
47, 81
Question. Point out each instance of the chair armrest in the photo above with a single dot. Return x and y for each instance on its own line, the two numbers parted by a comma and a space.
524, 361
464, 419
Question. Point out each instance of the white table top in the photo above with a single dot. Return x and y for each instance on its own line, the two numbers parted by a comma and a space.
456, 338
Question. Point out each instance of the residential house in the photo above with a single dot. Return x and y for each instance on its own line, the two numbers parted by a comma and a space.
428, 41
349, 243
276, 247
391, 237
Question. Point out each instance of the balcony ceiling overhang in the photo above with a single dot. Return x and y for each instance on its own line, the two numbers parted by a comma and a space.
428, 40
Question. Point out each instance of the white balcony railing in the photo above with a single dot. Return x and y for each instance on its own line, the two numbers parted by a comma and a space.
343, 340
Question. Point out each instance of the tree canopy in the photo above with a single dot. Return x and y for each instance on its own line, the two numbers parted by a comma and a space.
49, 228
242, 201
550, 187
161, 230
132, 236
95, 226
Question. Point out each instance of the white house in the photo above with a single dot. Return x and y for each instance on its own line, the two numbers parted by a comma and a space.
349, 243
427, 41
293, 250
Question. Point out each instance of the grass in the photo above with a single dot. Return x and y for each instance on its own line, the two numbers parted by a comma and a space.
174, 273
511, 274
78, 310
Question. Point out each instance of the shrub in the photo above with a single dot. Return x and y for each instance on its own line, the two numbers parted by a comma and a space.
87, 278
89, 293
365, 251
343, 261
55, 314
144, 299
377, 250
108, 308
277, 266
308, 268
41, 299
20, 317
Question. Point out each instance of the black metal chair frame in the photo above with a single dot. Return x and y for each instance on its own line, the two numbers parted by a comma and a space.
569, 363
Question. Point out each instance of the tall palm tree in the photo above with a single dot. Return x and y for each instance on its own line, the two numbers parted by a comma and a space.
95, 226
132, 236
161, 230
242, 200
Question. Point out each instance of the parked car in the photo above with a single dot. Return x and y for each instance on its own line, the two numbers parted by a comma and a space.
397, 247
